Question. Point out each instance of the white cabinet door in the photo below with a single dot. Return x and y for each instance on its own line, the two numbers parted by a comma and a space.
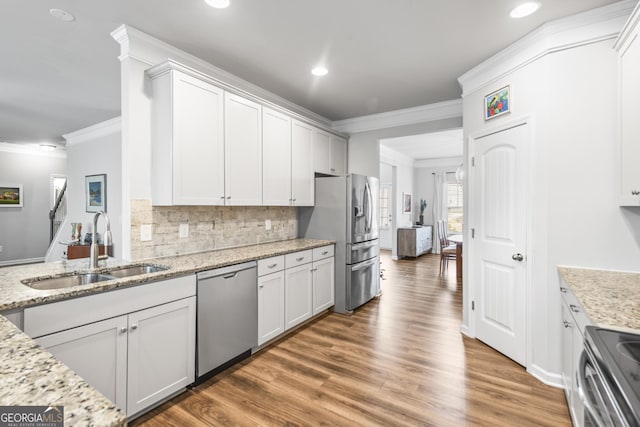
276, 158
242, 151
98, 353
298, 295
567, 352
629, 124
161, 357
338, 156
302, 175
323, 284
321, 151
270, 306
187, 165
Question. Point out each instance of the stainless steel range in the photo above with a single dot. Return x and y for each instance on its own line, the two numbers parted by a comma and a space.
609, 377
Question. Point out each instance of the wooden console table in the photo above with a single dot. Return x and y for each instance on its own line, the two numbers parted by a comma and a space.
414, 241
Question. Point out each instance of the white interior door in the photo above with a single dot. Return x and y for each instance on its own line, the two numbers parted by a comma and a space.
498, 265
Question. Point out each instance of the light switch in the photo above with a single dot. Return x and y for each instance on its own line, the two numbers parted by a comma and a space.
267, 224
183, 231
145, 232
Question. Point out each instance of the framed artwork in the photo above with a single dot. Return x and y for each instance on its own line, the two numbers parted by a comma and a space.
96, 192
406, 203
11, 196
497, 103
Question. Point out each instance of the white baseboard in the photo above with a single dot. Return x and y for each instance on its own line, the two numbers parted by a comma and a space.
21, 261
464, 329
549, 378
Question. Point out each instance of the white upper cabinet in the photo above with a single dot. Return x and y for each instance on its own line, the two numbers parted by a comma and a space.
628, 48
338, 155
276, 158
243, 151
329, 153
187, 152
302, 176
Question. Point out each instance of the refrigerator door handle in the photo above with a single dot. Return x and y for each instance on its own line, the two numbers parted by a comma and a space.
367, 204
364, 245
364, 264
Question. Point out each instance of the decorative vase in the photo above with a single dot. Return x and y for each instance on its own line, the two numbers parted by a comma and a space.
421, 219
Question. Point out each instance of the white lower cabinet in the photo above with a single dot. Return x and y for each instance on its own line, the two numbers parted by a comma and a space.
298, 291
270, 306
323, 284
136, 345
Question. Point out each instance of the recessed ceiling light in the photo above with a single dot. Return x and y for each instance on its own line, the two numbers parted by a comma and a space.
47, 147
525, 9
319, 71
218, 4
62, 15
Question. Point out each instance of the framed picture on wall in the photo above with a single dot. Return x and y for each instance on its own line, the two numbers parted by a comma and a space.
406, 203
497, 103
96, 192
11, 196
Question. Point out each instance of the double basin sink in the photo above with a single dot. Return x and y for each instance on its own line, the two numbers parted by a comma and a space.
78, 279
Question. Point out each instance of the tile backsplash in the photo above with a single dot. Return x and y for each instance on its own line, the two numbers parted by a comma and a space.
210, 227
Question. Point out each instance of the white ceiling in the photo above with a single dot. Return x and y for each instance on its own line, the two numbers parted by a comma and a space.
434, 145
382, 55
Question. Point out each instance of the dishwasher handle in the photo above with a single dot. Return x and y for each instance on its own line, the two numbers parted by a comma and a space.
227, 272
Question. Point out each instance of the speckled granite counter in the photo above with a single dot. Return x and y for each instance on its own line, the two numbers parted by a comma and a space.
32, 376
610, 298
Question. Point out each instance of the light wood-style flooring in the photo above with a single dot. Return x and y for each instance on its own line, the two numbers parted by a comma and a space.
400, 360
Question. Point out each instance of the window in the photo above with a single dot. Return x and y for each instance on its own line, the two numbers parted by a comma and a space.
454, 207
385, 192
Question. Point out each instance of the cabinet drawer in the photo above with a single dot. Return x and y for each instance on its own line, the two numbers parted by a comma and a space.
298, 258
575, 308
323, 252
270, 265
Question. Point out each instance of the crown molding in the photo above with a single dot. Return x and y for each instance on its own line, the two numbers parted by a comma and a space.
628, 30
441, 162
403, 117
147, 49
584, 28
93, 132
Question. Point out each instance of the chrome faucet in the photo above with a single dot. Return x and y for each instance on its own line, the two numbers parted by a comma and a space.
94, 252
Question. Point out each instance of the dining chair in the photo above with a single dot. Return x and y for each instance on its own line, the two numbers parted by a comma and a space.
447, 250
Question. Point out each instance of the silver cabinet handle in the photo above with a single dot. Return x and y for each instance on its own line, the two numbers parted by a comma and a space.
134, 327
563, 290
228, 197
272, 265
566, 324
222, 197
300, 259
635, 192
123, 330
574, 308
260, 286
325, 252
314, 269
230, 275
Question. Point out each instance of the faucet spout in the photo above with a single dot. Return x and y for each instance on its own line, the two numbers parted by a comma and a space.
94, 254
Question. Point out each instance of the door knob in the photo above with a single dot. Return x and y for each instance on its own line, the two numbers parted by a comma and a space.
517, 257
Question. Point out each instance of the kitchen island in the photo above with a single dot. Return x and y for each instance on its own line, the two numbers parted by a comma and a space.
32, 376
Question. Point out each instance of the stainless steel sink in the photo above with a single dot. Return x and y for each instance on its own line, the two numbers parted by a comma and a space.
66, 281
135, 270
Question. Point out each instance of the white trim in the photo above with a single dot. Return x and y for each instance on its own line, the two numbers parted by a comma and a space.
7, 147
439, 162
21, 261
403, 117
628, 29
145, 48
464, 330
583, 28
549, 378
93, 132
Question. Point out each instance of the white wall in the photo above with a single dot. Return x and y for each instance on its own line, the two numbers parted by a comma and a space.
92, 151
571, 97
423, 180
24, 232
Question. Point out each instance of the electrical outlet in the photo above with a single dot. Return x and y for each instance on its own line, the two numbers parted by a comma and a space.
267, 224
145, 232
183, 231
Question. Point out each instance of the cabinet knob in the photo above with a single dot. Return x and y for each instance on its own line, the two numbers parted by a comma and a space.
574, 308
123, 330
134, 327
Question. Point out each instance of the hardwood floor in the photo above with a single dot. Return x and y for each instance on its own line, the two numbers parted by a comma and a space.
399, 360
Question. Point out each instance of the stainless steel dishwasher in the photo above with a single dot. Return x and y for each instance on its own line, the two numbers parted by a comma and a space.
227, 317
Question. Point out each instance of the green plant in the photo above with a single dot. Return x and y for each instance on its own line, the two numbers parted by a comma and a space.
423, 206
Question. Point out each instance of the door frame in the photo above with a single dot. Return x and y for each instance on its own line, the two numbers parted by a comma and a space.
470, 289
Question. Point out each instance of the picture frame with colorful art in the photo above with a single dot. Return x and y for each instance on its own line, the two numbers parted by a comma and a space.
497, 103
11, 196
96, 192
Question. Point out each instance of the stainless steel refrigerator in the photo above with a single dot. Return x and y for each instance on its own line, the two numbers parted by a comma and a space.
346, 210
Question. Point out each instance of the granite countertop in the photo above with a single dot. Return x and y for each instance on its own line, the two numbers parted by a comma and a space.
610, 298
32, 376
